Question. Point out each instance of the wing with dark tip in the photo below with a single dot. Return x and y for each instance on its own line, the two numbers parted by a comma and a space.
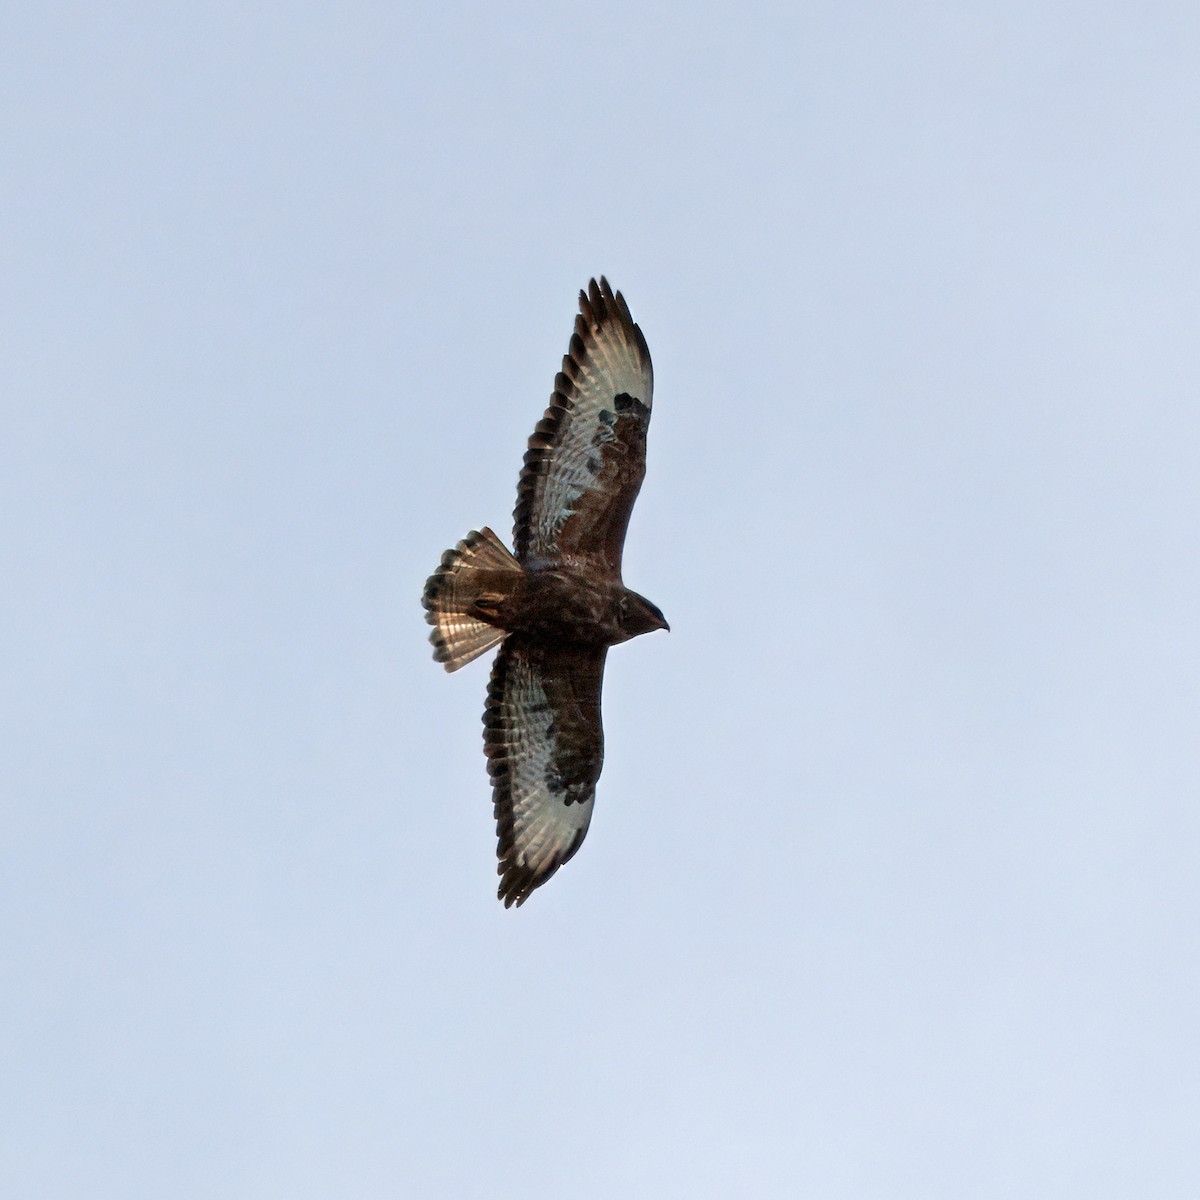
587, 456
545, 747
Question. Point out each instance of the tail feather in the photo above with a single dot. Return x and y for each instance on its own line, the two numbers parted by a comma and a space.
465, 574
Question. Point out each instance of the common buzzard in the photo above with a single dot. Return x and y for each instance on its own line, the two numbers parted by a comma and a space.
558, 603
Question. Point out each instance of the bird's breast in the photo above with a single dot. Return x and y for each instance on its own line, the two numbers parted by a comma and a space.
565, 604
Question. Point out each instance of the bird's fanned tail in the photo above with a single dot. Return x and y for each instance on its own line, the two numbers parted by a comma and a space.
479, 568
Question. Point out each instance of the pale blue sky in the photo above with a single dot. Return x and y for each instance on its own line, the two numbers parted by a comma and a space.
892, 886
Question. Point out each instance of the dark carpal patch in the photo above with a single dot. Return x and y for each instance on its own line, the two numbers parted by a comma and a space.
566, 793
624, 403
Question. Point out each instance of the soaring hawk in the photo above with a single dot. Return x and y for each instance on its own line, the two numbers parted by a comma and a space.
558, 603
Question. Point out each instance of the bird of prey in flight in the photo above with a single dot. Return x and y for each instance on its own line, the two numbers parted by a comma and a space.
557, 602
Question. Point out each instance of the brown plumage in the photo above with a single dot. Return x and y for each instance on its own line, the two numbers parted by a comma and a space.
559, 602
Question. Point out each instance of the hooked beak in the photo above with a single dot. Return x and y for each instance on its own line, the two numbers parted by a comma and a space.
643, 617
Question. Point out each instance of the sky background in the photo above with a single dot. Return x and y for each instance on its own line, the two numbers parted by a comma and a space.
892, 886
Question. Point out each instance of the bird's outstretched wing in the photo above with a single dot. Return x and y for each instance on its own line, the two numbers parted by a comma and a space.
545, 747
587, 456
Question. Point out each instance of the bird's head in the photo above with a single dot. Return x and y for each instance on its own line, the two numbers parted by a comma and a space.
635, 615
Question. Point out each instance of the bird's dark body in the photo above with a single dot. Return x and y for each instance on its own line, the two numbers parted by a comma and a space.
563, 605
